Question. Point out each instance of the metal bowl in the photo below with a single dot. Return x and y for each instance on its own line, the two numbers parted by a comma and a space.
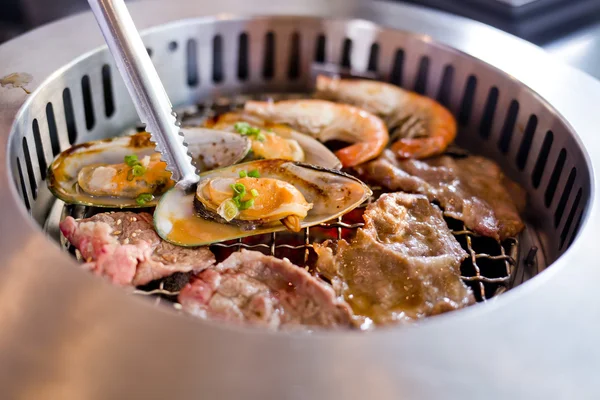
67, 334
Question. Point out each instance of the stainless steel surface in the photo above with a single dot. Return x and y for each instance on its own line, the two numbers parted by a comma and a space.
145, 88
66, 334
580, 49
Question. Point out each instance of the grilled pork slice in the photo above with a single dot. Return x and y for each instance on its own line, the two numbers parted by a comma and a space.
472, 189
252, 288
404, 264
124, 247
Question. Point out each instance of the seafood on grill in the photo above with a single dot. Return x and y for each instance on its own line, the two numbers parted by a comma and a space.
251, 288
256, 197
403, 265
127, 171
419, 126
270, 140
325, 121
472, 189
124, 248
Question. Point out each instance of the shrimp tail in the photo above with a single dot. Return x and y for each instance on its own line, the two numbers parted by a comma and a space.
359, 153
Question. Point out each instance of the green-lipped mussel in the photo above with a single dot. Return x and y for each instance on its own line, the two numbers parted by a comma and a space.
256, 197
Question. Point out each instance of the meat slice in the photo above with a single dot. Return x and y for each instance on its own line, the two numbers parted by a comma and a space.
124, 247
404, 264
252, 288
471, 189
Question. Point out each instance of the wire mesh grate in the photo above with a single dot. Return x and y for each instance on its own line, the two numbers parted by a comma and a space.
489, 269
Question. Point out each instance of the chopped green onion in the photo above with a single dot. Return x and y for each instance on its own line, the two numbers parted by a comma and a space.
144, 198
242, 127
254, 174
243, 174
239, 189
254, 193
138, 170
244, 205
131, 160
228, 210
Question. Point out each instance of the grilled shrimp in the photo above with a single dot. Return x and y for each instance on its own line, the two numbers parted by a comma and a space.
419, 126
325, 120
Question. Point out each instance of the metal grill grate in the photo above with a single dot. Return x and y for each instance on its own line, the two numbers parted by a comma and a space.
489, 270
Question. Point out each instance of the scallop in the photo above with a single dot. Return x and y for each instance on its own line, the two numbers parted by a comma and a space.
127, 172
278, 140
256, 197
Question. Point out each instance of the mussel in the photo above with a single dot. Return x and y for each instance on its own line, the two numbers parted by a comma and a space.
271, 140
127, 172
256, 197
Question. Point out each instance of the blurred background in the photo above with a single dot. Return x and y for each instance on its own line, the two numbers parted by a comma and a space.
568, 28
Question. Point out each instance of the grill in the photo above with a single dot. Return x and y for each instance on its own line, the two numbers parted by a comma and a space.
241, 58
210, 64
489, 270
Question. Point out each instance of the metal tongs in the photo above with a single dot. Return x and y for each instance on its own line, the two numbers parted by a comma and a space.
145, 88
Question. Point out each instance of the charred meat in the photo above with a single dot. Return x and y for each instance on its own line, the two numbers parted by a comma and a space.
402, 266
124, 247
252, 288
471, 189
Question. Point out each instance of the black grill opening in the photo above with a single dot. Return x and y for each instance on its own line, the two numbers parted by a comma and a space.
570, 218
52, 129
576, 229
445, 90
523, 153
22, 182
29, 166
88, 104
192, 63
540, 164
373, 58
487, 120
269, 57
508, 127
321, 52
467, 101
294, 63
109, 104
562, 203
422, 74
242, 66
217, 73
397, 68
346, 61
39, 148
558, 167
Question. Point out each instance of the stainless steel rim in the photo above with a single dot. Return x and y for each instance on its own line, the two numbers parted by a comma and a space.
537, 328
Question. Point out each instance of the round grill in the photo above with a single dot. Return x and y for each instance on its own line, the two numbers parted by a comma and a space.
497, 116
210, 65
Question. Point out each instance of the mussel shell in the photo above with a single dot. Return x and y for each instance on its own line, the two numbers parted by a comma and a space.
332, 193
315, 152
210, 149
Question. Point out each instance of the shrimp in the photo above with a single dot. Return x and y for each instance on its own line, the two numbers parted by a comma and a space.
325, 120
419, 127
